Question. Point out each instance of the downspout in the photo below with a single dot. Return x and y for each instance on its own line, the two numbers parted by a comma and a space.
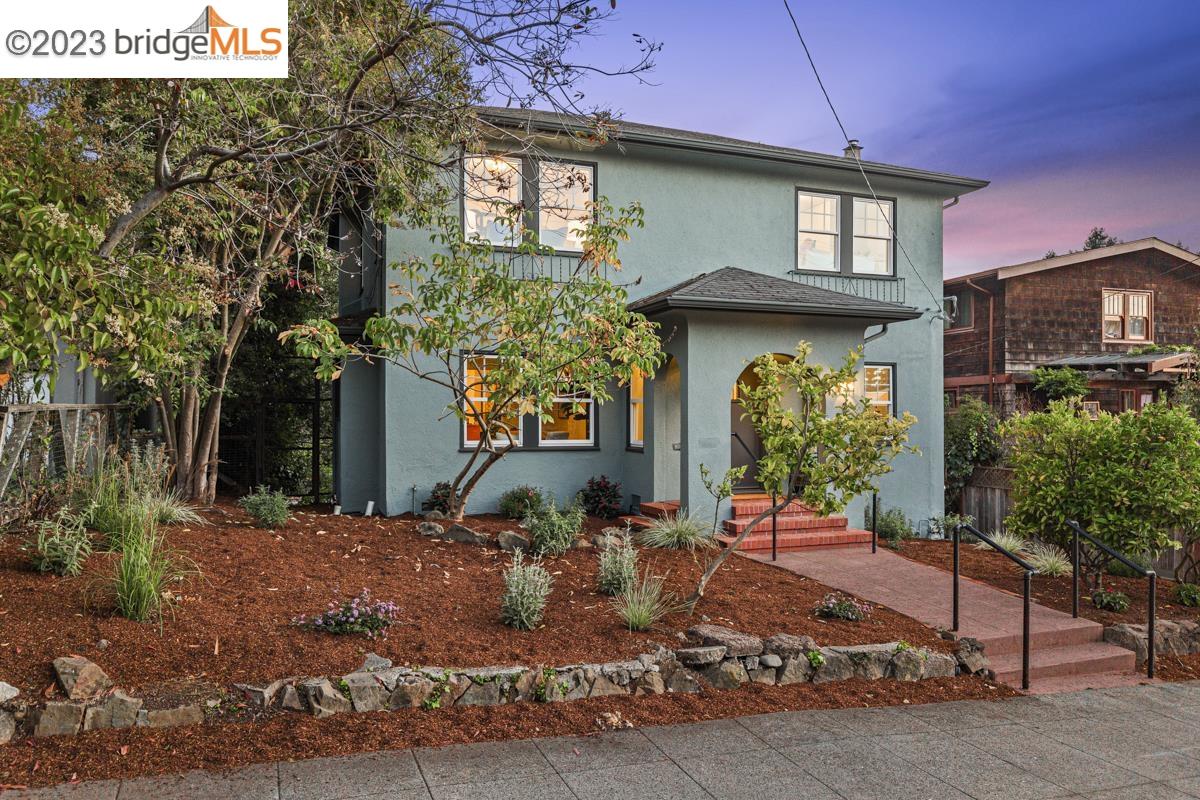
991, 365
882, 330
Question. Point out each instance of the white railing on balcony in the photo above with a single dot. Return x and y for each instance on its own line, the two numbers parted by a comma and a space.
888, 290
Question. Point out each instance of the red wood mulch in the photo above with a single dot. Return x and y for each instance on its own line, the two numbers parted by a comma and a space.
143, 751
994, 569
233, 623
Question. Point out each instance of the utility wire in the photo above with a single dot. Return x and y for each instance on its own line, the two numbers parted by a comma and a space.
937, 301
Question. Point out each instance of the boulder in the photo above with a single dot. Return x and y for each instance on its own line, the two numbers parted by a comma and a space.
375, 663
770, 661
461, 533
262, 696
609, 537
766, 676
682, 681
650, 683
322, 699
8, 727
907, 665
174, 717
411, 692
1169, 639
700, 656
736, 643
870, 661
512, 542
729, 674
581, 544
487, 693
939, 665
837, 667
525, 687
8, 692
603, 686
80, 678
794, 670
434, 514
969, 654
118, 711
785, 645
367, 691
570, 683
488, 686
291, 700
623, 673
58, 719
750, 662
430, 529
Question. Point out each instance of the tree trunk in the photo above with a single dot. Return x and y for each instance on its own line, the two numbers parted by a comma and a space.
715, 564
122, 225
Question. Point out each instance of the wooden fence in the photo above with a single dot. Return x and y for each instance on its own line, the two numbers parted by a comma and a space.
985, 497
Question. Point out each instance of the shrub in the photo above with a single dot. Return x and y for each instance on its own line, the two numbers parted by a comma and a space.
972, 440
61, 545
1120, 569
678, 532
941, 526
144, 573
1106, 600
359, 615
602, 497
520, 501
168, 508
1188, 594
1048, 559
552, 532
526, 587
1012, 542
893, 525
644, 603
268, 508
816, 659
836, 605
1060, 383
440, 497
618, 567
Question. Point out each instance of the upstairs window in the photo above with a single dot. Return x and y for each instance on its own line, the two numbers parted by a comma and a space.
959, 310
565, 195
880, 389
637, 409
872, 236
492, 193
817, 224
1127, 316
499, 431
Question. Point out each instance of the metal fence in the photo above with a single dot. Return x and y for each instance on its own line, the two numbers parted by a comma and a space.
888, 290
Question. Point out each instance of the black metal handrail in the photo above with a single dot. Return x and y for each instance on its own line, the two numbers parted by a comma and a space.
1151, 601
874, 520
1030, 571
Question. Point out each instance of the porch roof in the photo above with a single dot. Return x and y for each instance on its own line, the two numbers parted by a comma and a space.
1142, 363
735, 289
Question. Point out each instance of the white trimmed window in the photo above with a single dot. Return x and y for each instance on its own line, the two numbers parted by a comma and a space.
492, 188
571, 423
872, 236
1127, 316
817, 228
879, 388
637, 409
478, 421
565, 195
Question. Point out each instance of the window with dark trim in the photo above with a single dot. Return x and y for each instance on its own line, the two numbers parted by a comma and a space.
959, 310
571, 423
637, 409
552, 199
879, 387
477, 407
845, 234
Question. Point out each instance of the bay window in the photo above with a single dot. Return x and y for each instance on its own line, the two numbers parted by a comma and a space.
872, 236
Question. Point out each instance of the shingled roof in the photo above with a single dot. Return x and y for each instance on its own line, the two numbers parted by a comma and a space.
735, 289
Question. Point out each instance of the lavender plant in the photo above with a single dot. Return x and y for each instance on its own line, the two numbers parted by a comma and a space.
359, 615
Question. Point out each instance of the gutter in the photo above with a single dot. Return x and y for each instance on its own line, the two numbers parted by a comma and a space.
777, 307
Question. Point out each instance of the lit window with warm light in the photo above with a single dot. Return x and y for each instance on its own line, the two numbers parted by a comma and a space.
479, 422
879, 387
570, 423
637, 409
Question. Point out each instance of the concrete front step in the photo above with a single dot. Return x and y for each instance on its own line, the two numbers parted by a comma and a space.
799, 540
787, 522
1094, 658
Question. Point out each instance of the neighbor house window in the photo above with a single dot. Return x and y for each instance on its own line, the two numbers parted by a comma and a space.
872, 236
879, 388
959, 310
637, 409
1126, 315
817, 227
570, 423
492, 196
564, 204
505, 430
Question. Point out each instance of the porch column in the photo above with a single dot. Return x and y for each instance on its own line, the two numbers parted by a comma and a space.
705, 431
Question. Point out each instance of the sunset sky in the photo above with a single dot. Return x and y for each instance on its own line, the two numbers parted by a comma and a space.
1079, 113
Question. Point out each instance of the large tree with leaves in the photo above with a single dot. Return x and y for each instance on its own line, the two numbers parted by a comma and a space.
501, 338
822, 459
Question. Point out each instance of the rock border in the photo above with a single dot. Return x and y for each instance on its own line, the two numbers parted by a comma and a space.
1180, 637
715, 657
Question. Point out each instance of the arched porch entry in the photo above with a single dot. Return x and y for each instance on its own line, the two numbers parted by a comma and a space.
745, 446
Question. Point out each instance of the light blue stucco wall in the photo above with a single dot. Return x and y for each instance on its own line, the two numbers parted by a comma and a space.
702, 212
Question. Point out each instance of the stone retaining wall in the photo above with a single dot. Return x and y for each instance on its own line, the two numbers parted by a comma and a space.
1173, 637
716, 657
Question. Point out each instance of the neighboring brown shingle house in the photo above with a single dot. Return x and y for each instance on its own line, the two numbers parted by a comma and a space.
1085, 310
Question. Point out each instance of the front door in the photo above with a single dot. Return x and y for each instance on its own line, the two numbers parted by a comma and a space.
745, 448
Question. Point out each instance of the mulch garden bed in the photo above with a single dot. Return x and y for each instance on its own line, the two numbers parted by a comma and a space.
233, 623
135, 752
993, 568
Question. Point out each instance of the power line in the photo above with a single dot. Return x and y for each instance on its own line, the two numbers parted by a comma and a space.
937, 299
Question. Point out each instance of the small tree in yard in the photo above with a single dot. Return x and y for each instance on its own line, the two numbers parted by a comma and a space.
1126, 478
1060, 383
822, 459
529, 340
972, 440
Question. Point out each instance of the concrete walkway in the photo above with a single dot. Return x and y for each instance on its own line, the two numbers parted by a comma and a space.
1066, 653
1133, 743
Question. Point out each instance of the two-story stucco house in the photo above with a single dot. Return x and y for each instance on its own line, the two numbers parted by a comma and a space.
747, 249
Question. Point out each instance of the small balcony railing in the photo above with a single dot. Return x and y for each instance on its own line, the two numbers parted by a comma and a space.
888, 290
558, 267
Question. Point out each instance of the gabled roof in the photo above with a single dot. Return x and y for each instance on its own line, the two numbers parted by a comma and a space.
735, 289
639, 133
1042, 264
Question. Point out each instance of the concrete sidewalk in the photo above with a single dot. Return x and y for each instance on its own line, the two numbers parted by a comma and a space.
1134, 743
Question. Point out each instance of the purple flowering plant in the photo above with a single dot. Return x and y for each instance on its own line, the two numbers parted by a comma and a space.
836, 605
359, 615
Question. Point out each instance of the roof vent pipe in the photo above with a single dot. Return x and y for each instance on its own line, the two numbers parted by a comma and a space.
853, 150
